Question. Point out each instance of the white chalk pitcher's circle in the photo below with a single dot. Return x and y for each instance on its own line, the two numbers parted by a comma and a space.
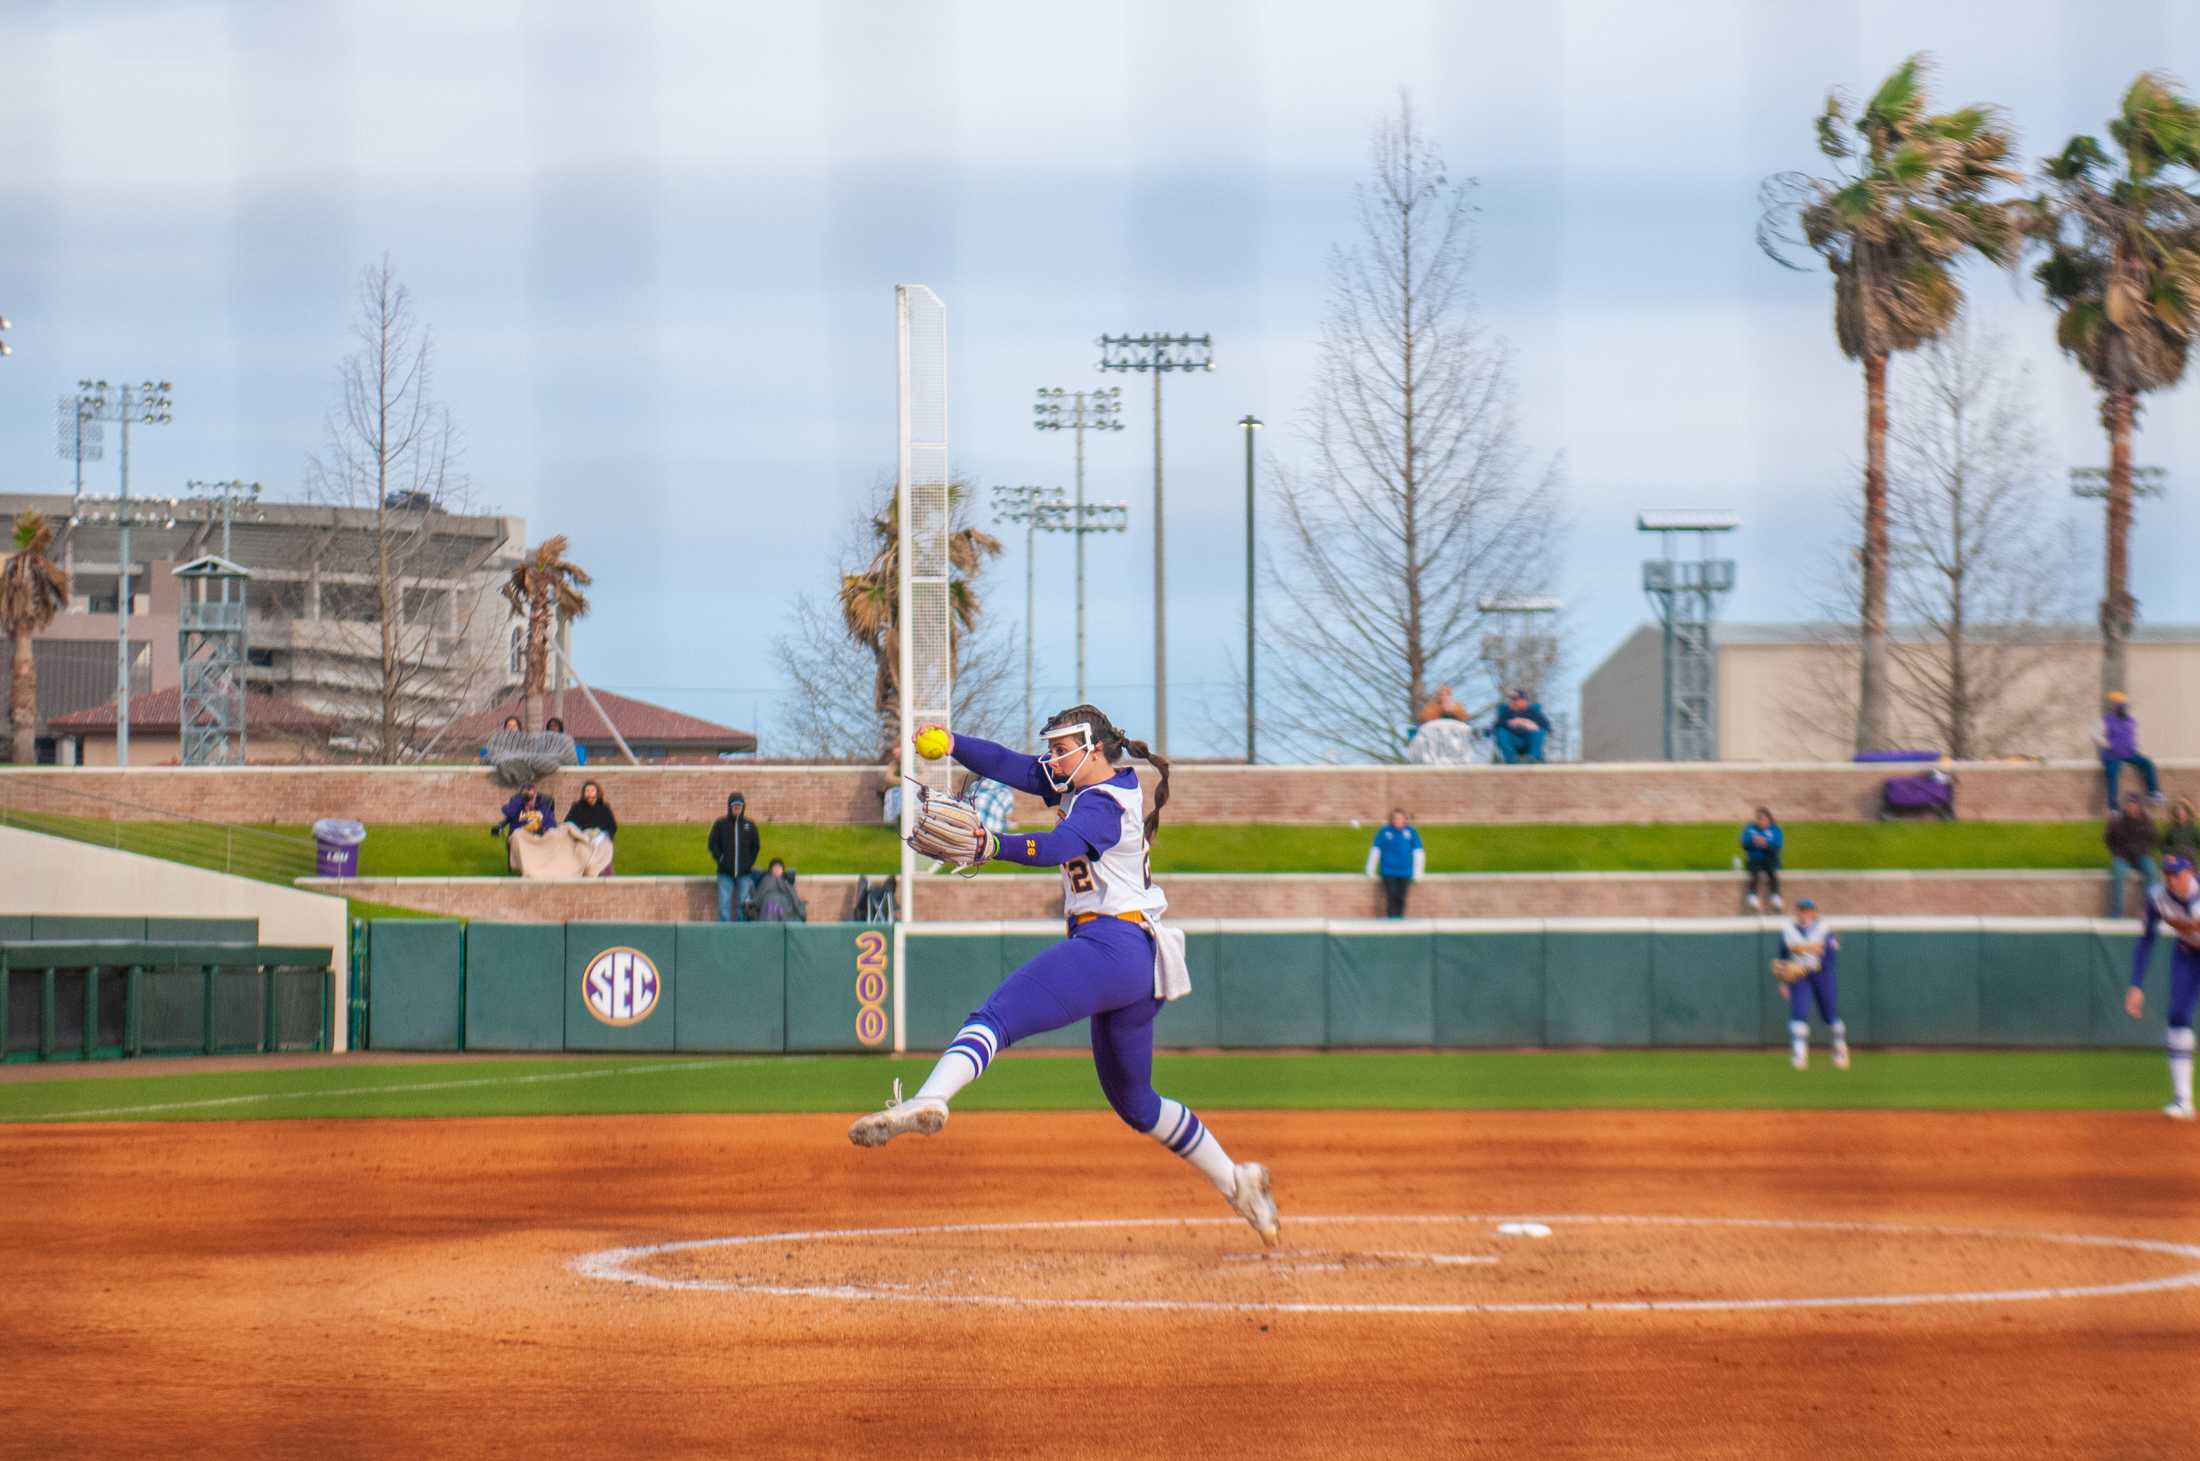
619, 1265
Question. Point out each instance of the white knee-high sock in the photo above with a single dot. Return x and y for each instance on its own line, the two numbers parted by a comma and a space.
964, 1060
2180, 1064
1799, 1038
1840, 1035
1184, 1133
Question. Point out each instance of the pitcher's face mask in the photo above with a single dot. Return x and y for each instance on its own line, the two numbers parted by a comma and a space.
1069, 750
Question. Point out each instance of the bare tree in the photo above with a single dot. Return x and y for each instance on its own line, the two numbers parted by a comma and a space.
1980, 566
840, 663
390, 451
1981, 575
1417, 501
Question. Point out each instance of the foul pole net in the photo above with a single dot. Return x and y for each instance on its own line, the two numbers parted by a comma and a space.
922, 511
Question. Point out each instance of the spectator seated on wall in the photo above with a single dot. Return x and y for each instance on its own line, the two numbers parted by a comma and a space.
776, 900
556, 727
529, 819
1762, 846
591, 823
2118, 742
1520, 730
520, 758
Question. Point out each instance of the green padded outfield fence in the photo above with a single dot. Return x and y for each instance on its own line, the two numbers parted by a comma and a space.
102, 988
433, 985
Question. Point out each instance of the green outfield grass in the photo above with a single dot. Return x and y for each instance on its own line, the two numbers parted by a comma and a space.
418, 850
1463, 1081
396, 850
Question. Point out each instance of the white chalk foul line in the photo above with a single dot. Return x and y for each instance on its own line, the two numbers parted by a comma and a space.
404, 1088
611, 1264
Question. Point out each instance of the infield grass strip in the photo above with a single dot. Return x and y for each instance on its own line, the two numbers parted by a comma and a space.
678, 849
1466, 1081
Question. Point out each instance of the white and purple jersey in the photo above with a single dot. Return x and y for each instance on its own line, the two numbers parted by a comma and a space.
1797, 942
1099, 844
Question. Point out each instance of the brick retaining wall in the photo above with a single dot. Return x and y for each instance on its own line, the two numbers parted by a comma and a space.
1581, 794
1229, 895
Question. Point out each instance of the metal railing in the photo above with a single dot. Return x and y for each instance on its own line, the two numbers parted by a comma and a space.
247, 852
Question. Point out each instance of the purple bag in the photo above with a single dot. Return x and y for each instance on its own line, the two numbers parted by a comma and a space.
1918, 794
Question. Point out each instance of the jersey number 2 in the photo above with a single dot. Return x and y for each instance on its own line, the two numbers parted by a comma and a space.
1079, 873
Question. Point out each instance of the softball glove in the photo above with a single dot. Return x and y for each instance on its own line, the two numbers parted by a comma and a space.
949, 830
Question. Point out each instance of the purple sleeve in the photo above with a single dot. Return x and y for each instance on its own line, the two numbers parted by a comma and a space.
2144, 948
1093, 826
1009, 768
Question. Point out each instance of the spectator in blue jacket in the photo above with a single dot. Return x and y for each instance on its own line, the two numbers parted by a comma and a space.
1399, 859
1520, 729
1761, 844
2118, 743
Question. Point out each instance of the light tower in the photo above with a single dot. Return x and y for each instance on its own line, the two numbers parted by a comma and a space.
1079, 411
1028, 505
1686, 593
146, 404
1159, 354
210, 649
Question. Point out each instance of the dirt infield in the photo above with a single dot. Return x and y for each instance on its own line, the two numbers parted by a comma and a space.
1709, 1284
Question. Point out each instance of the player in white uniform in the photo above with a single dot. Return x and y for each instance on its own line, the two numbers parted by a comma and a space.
1807, 973
1109, 969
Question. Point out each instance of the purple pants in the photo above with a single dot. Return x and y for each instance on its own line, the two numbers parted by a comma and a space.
1103, 972
1813, 986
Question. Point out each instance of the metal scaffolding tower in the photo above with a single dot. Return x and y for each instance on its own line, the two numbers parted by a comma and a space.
1686, 593
210, 647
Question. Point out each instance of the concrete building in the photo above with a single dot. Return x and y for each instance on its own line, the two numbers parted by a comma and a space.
1787, 692
315, 637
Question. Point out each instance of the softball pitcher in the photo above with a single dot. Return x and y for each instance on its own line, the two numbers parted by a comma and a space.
2175, 903
1118, 965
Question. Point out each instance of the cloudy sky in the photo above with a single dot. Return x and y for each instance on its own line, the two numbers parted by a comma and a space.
658, 245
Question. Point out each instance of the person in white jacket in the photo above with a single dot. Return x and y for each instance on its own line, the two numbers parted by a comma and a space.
1398, 858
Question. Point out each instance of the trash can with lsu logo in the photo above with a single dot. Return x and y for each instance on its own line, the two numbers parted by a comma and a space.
619, 983
336, 847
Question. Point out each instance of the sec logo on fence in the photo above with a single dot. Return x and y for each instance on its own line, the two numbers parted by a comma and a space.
620, 986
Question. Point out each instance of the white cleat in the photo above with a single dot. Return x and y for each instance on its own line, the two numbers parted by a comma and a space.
1254, 1200
2178, 1111
1841, 1057
1800, 1062
925, 1116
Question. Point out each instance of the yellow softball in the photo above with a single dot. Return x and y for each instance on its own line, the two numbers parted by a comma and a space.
932, 742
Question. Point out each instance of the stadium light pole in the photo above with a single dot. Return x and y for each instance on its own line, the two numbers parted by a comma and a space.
1079, 411
147, 404
1159, 354
1081, 519
1249, 423
1027, 505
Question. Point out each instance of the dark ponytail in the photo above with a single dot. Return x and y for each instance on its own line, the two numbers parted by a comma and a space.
1139, 752
1113, 744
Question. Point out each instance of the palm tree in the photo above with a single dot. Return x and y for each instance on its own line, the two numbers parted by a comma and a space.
870, 601
1890, 226
33, 588
544, 587
2123, 269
